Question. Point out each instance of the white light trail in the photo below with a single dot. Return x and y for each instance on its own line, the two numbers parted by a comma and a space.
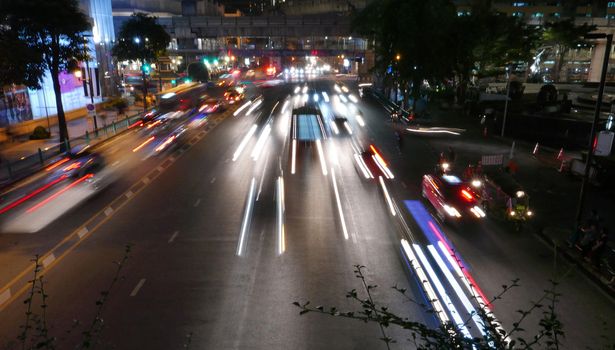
385, 170
457, 288
353, 98
297, 89
433, 131
431, 294
387, 196
315, 97
339, 204
304, 90
260, 143
325, 96
246, 218
348, 128
363, 167
334, 127
345, 89
242, 108
294, 157
337, 88
321, 155
360, 120
284, 106
254, 106
343, 98
280, 212
244, 142
447, 300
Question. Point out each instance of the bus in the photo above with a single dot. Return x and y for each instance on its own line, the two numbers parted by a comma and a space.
182, 97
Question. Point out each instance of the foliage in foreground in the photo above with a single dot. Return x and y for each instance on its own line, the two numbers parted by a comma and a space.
548, 332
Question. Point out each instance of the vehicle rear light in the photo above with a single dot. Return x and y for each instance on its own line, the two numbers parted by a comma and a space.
467, 195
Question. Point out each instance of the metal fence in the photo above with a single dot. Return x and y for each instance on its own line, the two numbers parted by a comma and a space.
11, 171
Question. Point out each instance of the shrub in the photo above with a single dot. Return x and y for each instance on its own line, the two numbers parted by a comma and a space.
40, 133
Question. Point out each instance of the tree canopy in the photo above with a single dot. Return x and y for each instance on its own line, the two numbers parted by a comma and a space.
197, 71
40, 36
141, 38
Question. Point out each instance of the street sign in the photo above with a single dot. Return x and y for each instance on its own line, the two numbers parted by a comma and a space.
90, 107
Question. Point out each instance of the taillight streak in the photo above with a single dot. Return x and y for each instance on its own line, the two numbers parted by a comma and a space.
31, 194
136, 149
55, 195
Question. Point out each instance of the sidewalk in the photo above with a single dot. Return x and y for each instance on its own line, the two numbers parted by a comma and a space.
553, 194
22, 156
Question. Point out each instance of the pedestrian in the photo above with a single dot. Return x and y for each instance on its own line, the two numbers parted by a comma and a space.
597, 250
589, 238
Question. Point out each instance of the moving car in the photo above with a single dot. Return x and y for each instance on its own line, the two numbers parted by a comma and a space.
452, 198
232, 96
211, 105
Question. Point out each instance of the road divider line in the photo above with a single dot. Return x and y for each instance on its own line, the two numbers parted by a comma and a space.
387, 197
212, 180
5, 296
72, 243
321, 155
198, 201
244, 142
137, 287
280, 216
108, 211
173, 236
48, 260
82, 232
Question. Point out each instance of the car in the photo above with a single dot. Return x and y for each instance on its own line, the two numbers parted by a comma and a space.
77, 163
232, 96
453, 199
370, 163
211, 105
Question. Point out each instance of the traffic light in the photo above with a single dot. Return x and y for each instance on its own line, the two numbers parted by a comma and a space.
173, 82
147, 68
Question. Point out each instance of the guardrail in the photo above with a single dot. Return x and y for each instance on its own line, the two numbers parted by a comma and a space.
12, 171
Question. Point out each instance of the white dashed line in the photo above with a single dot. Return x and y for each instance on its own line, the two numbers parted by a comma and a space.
403, 184
82, 232
212, 180
160, 168
108, 211
129, 194
5, 296
198, 201
173, 236
146, 180
48, 260
137, 287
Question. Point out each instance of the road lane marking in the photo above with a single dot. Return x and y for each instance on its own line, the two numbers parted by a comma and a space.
82, 232
146, 180
5, 296
137, 287
246, 218
108, 211
48, 260
70, 241
173, 236
339, 203
198, 201
403, 184
212, 180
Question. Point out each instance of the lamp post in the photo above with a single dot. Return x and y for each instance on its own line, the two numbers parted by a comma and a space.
137, 41
506, 101
592, 134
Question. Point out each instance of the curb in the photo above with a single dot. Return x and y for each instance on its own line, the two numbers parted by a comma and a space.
565, 253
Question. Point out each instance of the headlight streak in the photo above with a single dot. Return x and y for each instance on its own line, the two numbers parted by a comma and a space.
316, 97
242, 108
345, 89
451, 211
254, 106
260, 143
348, 128
447, 300
334, 127
333, 154
360, 120
294, 157
244, 142
280, 217
368, 174
337, 88
433, 131
284, 106
165, 143
383, 167
325, 96
321, 155
478, 212
136, 149
304, 90
343, 98
387, 196
32, 194
297, 89
431, 294
353, 98
457, 288
247, 216
471, 286
339, 204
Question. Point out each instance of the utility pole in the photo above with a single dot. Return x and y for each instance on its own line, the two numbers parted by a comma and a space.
88, 77
506, 101
592, 134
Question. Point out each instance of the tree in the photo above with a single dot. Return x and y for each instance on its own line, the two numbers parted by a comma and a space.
548, 331
563, 35
49, 33
141, 39
197, 71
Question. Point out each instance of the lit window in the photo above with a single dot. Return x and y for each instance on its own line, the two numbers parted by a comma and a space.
537, 14
519, 4
611, 4
517, 14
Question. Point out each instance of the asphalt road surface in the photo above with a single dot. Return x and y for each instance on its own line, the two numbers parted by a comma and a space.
229, 226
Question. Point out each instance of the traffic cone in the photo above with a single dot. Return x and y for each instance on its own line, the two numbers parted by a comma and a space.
535, 151
560, 155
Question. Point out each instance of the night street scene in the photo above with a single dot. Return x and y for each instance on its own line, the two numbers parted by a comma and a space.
307, 174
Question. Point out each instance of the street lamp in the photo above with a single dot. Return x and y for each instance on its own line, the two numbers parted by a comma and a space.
592, 134
506, 101
88, 79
